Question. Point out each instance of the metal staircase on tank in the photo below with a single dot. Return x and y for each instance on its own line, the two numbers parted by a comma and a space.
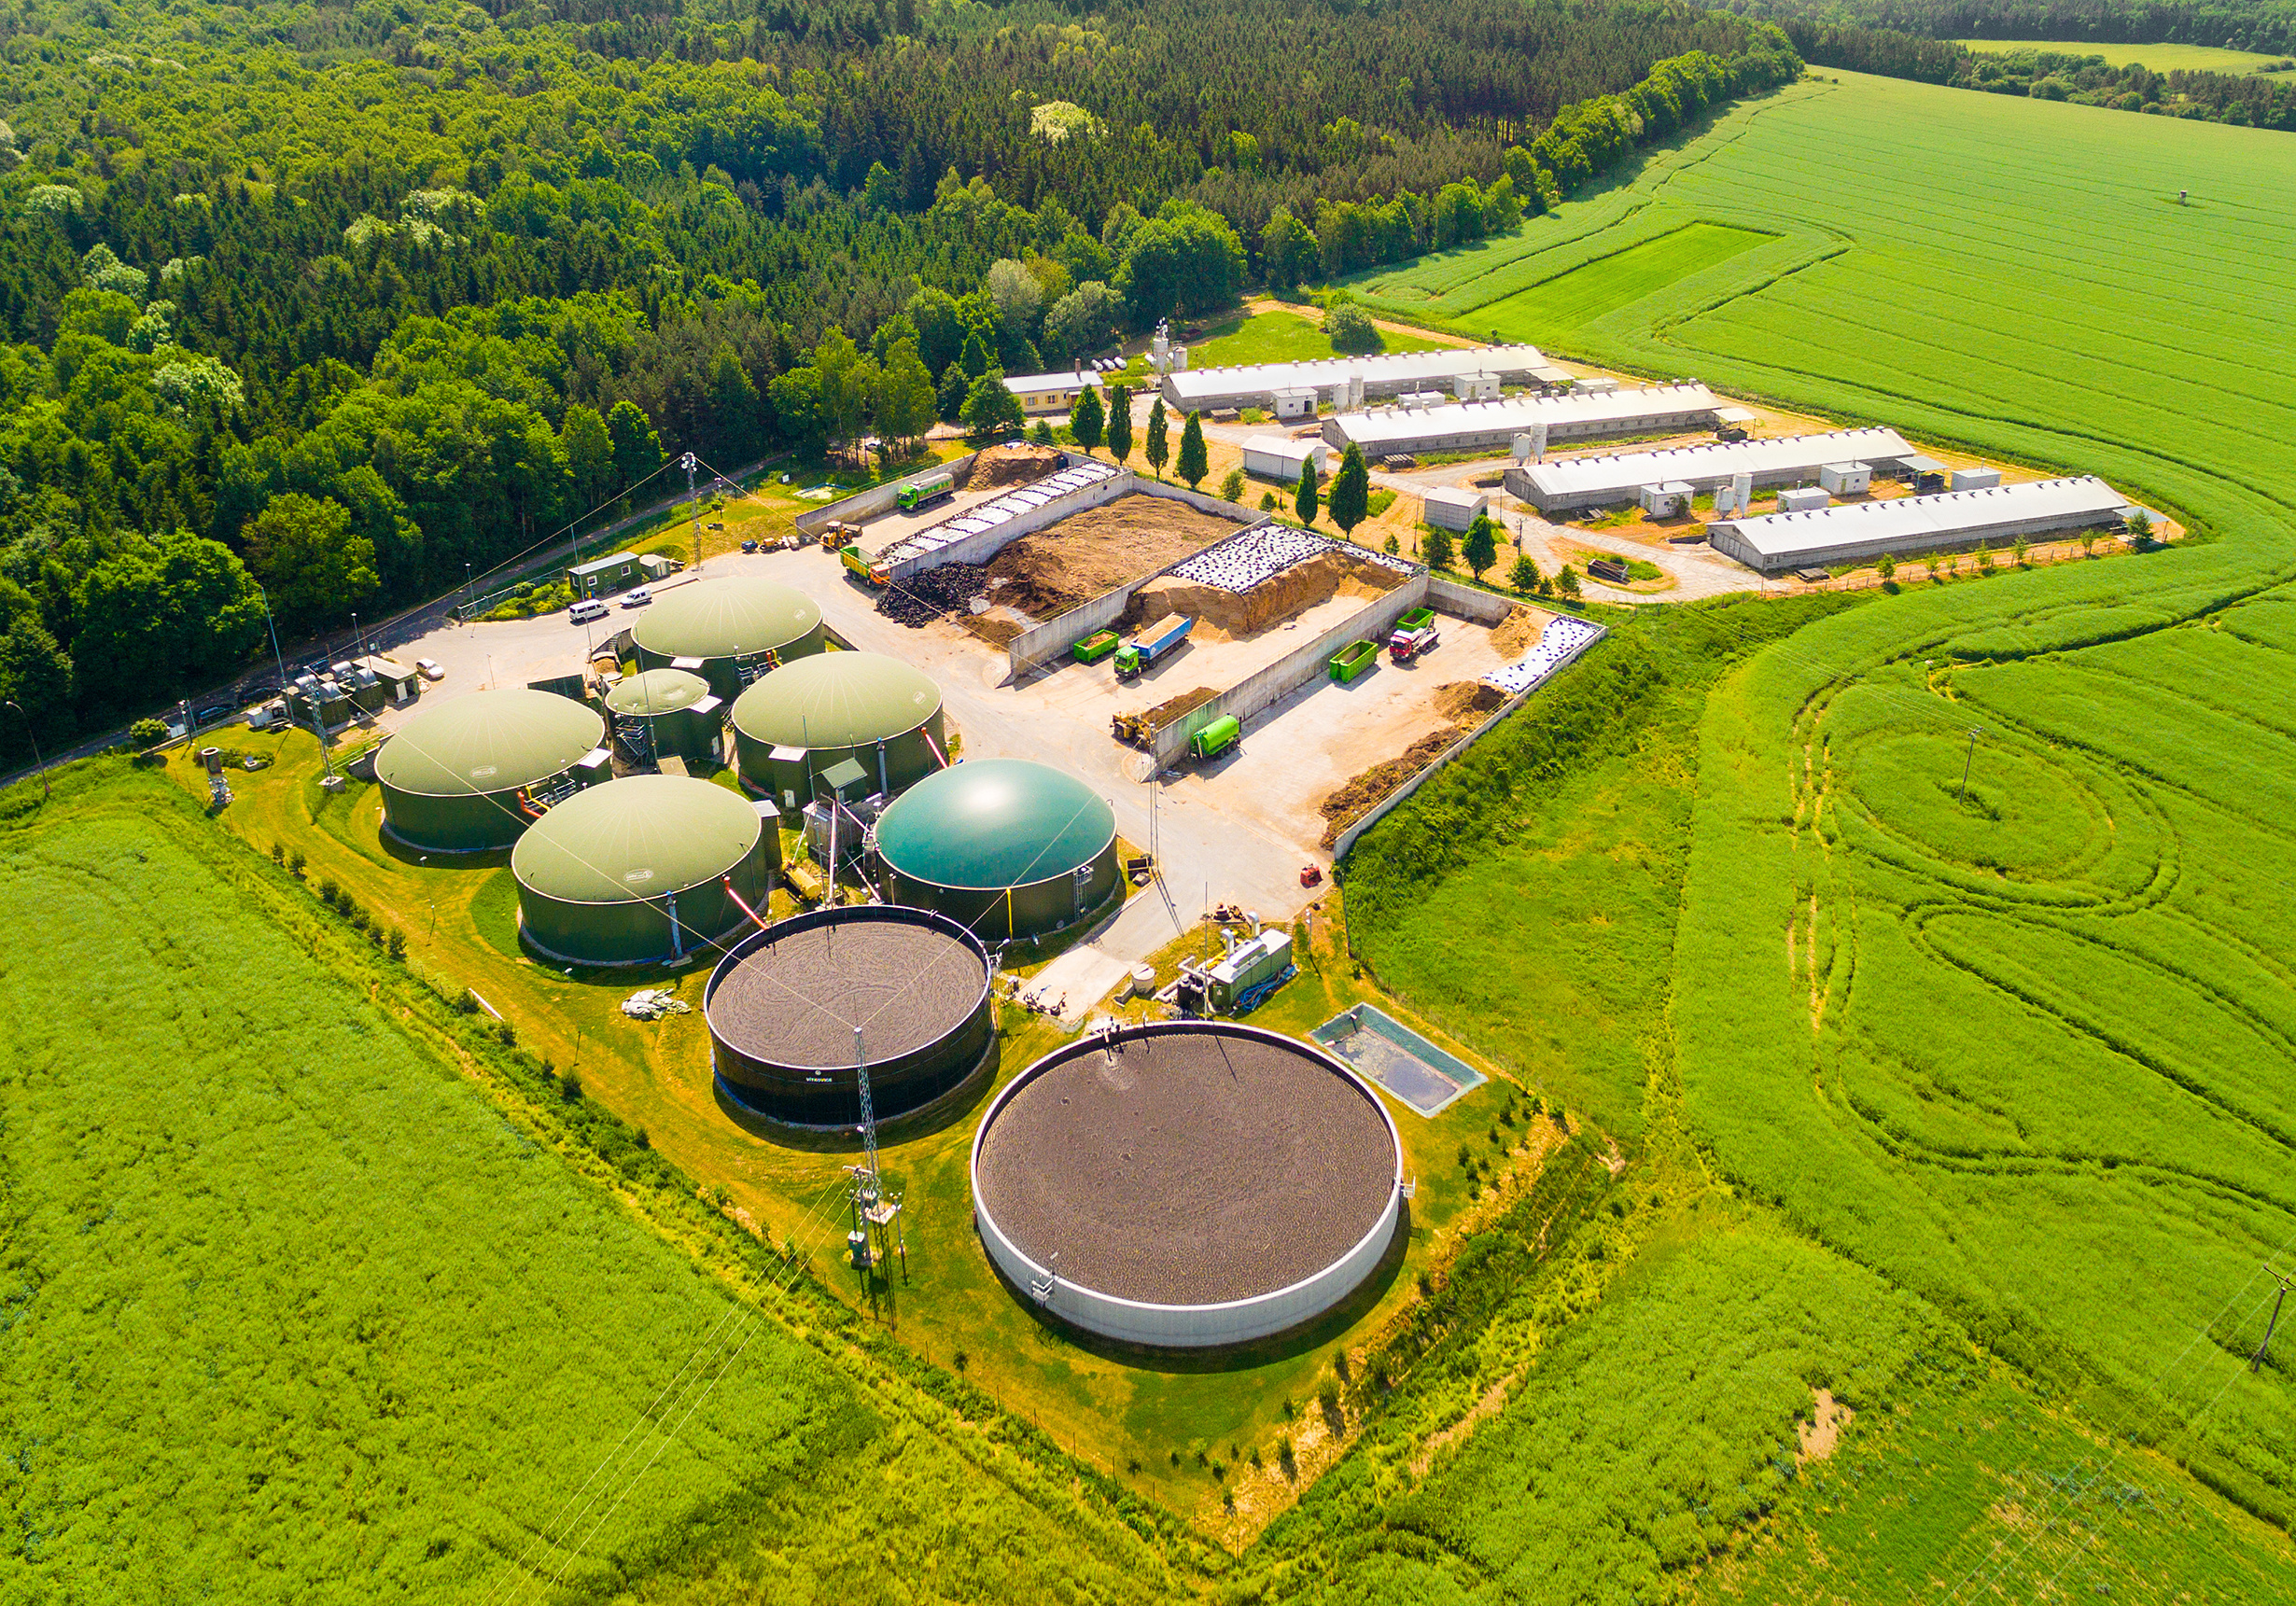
1040, 1289
751, 668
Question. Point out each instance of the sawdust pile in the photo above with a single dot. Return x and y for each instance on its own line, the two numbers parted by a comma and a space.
997, 466
1465, 704
1360, 796
1091, 553
1171, 708
1222, 615
1519, 632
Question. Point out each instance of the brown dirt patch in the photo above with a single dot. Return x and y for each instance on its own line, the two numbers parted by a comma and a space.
1823, 1431
1519, 632
1171, 708
1093, 552
997, 466
1223, 615
1464, 702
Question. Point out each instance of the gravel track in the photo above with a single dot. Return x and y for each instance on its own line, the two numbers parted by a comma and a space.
1187, 1169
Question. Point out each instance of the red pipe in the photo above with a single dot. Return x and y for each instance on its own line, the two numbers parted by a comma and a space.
740, 905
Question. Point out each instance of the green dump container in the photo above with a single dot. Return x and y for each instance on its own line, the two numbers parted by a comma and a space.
1092, 649
1353, 659
1418, 619
1217, 738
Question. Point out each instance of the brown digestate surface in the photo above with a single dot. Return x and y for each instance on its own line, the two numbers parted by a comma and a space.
795, 1001
997, 467
1187, 1169
1090, 553
1465, 704
1222, 615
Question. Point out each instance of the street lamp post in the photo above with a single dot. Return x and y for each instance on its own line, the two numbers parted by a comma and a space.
38, 763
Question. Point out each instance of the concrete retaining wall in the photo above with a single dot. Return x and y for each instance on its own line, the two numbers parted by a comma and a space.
1394, 799
980, 547
870, 503
1294, 670
1466, 601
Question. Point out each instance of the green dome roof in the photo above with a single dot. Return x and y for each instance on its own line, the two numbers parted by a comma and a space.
725, 618
995, 823
837, 700
657, 692
488, 742
634, 839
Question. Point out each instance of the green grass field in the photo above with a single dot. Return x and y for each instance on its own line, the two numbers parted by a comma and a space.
297, 1313
2161, 57
1554, 309
1276, 336
2022, 1052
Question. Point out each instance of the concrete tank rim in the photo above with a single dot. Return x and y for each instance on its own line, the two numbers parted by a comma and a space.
497, 697
913, 801
1090, 1044
654, 894
814, 919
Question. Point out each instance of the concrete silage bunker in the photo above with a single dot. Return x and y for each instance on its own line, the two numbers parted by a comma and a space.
1187, 1184
802, 718
472, 772
659, 712
1003, 846
636, 872
795, 1009
727, 631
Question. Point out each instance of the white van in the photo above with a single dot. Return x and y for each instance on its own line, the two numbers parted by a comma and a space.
583, 612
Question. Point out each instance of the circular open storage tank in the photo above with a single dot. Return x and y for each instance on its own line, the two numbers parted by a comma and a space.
1187, 1184
635, 872
807, 716
453, 776
784, 1003
1006, 848
718, 628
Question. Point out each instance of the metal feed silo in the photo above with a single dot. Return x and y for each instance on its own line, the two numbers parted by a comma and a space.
660, 712
472, 772
1003, 846
635, 872
802, 718
727, 631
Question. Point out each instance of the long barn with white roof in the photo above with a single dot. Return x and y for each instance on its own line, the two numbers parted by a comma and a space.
1357, 379
1567, 483
1475, 426
1908, 525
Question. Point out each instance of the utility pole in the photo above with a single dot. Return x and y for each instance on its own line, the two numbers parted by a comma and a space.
693, 508
39, 762
1975, 732
2255, 1361
465, 595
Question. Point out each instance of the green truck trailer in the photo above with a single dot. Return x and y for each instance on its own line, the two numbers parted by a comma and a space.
925, 492
1217, 738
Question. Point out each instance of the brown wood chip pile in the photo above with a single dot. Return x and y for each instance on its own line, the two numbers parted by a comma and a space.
796, 1001
1348, 803
1090, 553
997, 467
1519, 632
1224, 615
1188, 1168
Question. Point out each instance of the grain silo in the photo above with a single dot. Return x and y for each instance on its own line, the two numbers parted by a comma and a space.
729, 631
793, 1010
648, 870
805, 716
659, 712
472, 772
1187, 1184
1005, 847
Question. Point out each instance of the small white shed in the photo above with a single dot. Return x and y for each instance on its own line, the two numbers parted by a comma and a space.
1974, 480
1669, 500
1277, 457
1846, 479
1295, 401
1455, 509
1804, 499
1475, 387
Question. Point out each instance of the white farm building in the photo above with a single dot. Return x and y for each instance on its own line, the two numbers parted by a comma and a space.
1358, 377
1569, 483
1909, 525
1475, 426
1279, 458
